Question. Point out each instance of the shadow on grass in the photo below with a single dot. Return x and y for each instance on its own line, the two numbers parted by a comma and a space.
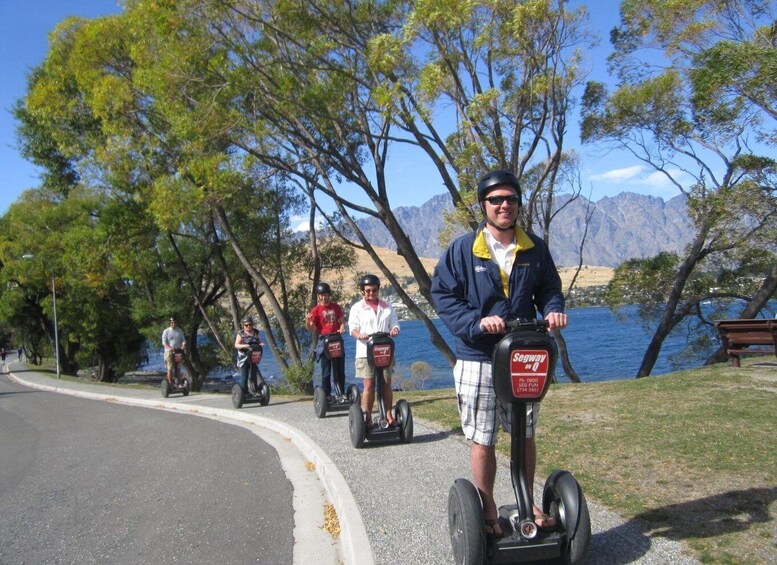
724, 513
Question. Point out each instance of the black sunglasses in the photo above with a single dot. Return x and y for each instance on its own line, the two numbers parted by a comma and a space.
498, 200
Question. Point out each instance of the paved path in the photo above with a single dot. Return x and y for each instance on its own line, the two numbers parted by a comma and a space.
391, 500
92, 483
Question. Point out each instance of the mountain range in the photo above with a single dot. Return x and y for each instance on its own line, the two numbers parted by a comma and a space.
621, 227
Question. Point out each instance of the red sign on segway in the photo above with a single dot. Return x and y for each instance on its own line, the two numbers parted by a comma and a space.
529, 372
381, 355
334, 349
178, 356
256, 357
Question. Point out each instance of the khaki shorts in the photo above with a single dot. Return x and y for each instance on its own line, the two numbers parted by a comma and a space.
169, 364
364, 371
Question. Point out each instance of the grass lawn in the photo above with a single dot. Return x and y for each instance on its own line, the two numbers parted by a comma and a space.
691, 456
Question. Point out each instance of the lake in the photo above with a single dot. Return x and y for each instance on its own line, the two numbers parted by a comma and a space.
602, 347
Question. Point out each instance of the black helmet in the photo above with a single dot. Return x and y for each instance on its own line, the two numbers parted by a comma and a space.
495, 179
369, 280
173, 319
323, 288
248, 320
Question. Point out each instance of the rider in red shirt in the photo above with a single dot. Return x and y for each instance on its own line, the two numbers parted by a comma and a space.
327, 317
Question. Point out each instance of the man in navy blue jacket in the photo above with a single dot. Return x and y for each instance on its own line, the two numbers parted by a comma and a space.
485, 278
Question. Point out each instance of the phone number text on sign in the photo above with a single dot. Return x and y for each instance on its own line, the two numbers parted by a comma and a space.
529, 372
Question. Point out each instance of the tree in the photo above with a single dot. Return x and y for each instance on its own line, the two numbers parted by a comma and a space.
696, 124
159, 156
325, 90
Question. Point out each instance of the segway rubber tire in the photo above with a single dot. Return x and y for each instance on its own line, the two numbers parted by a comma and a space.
466, 524
319, 402
238, 396
404, 417
264, 390
356, 425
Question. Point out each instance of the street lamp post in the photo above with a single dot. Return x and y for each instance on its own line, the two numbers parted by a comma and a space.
56, 331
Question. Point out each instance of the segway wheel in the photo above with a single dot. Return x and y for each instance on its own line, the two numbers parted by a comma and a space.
353, 394
186, 387
404, 417
264, 391
238, 396
563, 499
356, 425
319, 402
466, 524
165, 388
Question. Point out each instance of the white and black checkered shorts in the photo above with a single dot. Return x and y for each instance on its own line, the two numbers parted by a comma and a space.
479, 407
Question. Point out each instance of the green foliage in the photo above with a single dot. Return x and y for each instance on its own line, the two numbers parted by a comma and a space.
300, 377
646, 282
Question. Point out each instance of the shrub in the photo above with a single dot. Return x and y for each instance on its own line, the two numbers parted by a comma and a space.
300, 378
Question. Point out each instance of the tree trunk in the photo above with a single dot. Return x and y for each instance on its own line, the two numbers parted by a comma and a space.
670, 318
290, 338
564, 355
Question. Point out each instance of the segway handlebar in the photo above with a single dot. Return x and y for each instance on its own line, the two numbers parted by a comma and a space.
380, 334
526, 324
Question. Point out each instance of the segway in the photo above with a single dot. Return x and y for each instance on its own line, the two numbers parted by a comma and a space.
380, 353
523, 362
179, 385
256, 393
334, 350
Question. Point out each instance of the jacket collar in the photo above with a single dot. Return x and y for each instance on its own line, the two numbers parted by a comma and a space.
480, 247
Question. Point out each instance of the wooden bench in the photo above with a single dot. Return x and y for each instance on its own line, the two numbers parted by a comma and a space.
739, 336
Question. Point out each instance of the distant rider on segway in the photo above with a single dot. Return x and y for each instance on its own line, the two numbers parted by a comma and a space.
245, 338
325, 318
172, 338
368, 316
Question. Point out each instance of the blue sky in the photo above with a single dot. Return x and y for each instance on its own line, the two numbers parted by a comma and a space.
24, 28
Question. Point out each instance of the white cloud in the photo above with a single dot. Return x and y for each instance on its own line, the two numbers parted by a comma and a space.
639, 178
303, 223
658, 179
619, 175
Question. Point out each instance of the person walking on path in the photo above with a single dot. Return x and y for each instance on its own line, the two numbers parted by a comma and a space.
484, 279
325, 318
368, 316
172, 338
20, 354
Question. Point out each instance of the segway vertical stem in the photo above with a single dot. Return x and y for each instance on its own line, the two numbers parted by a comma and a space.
518, 473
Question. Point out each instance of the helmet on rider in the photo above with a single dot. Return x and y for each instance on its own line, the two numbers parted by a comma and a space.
496, 179
248, 321
323, 288
369, 280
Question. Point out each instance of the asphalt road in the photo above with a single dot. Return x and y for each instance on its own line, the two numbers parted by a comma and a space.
92, 482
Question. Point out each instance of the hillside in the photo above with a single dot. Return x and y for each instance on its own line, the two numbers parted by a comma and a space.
589, 275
